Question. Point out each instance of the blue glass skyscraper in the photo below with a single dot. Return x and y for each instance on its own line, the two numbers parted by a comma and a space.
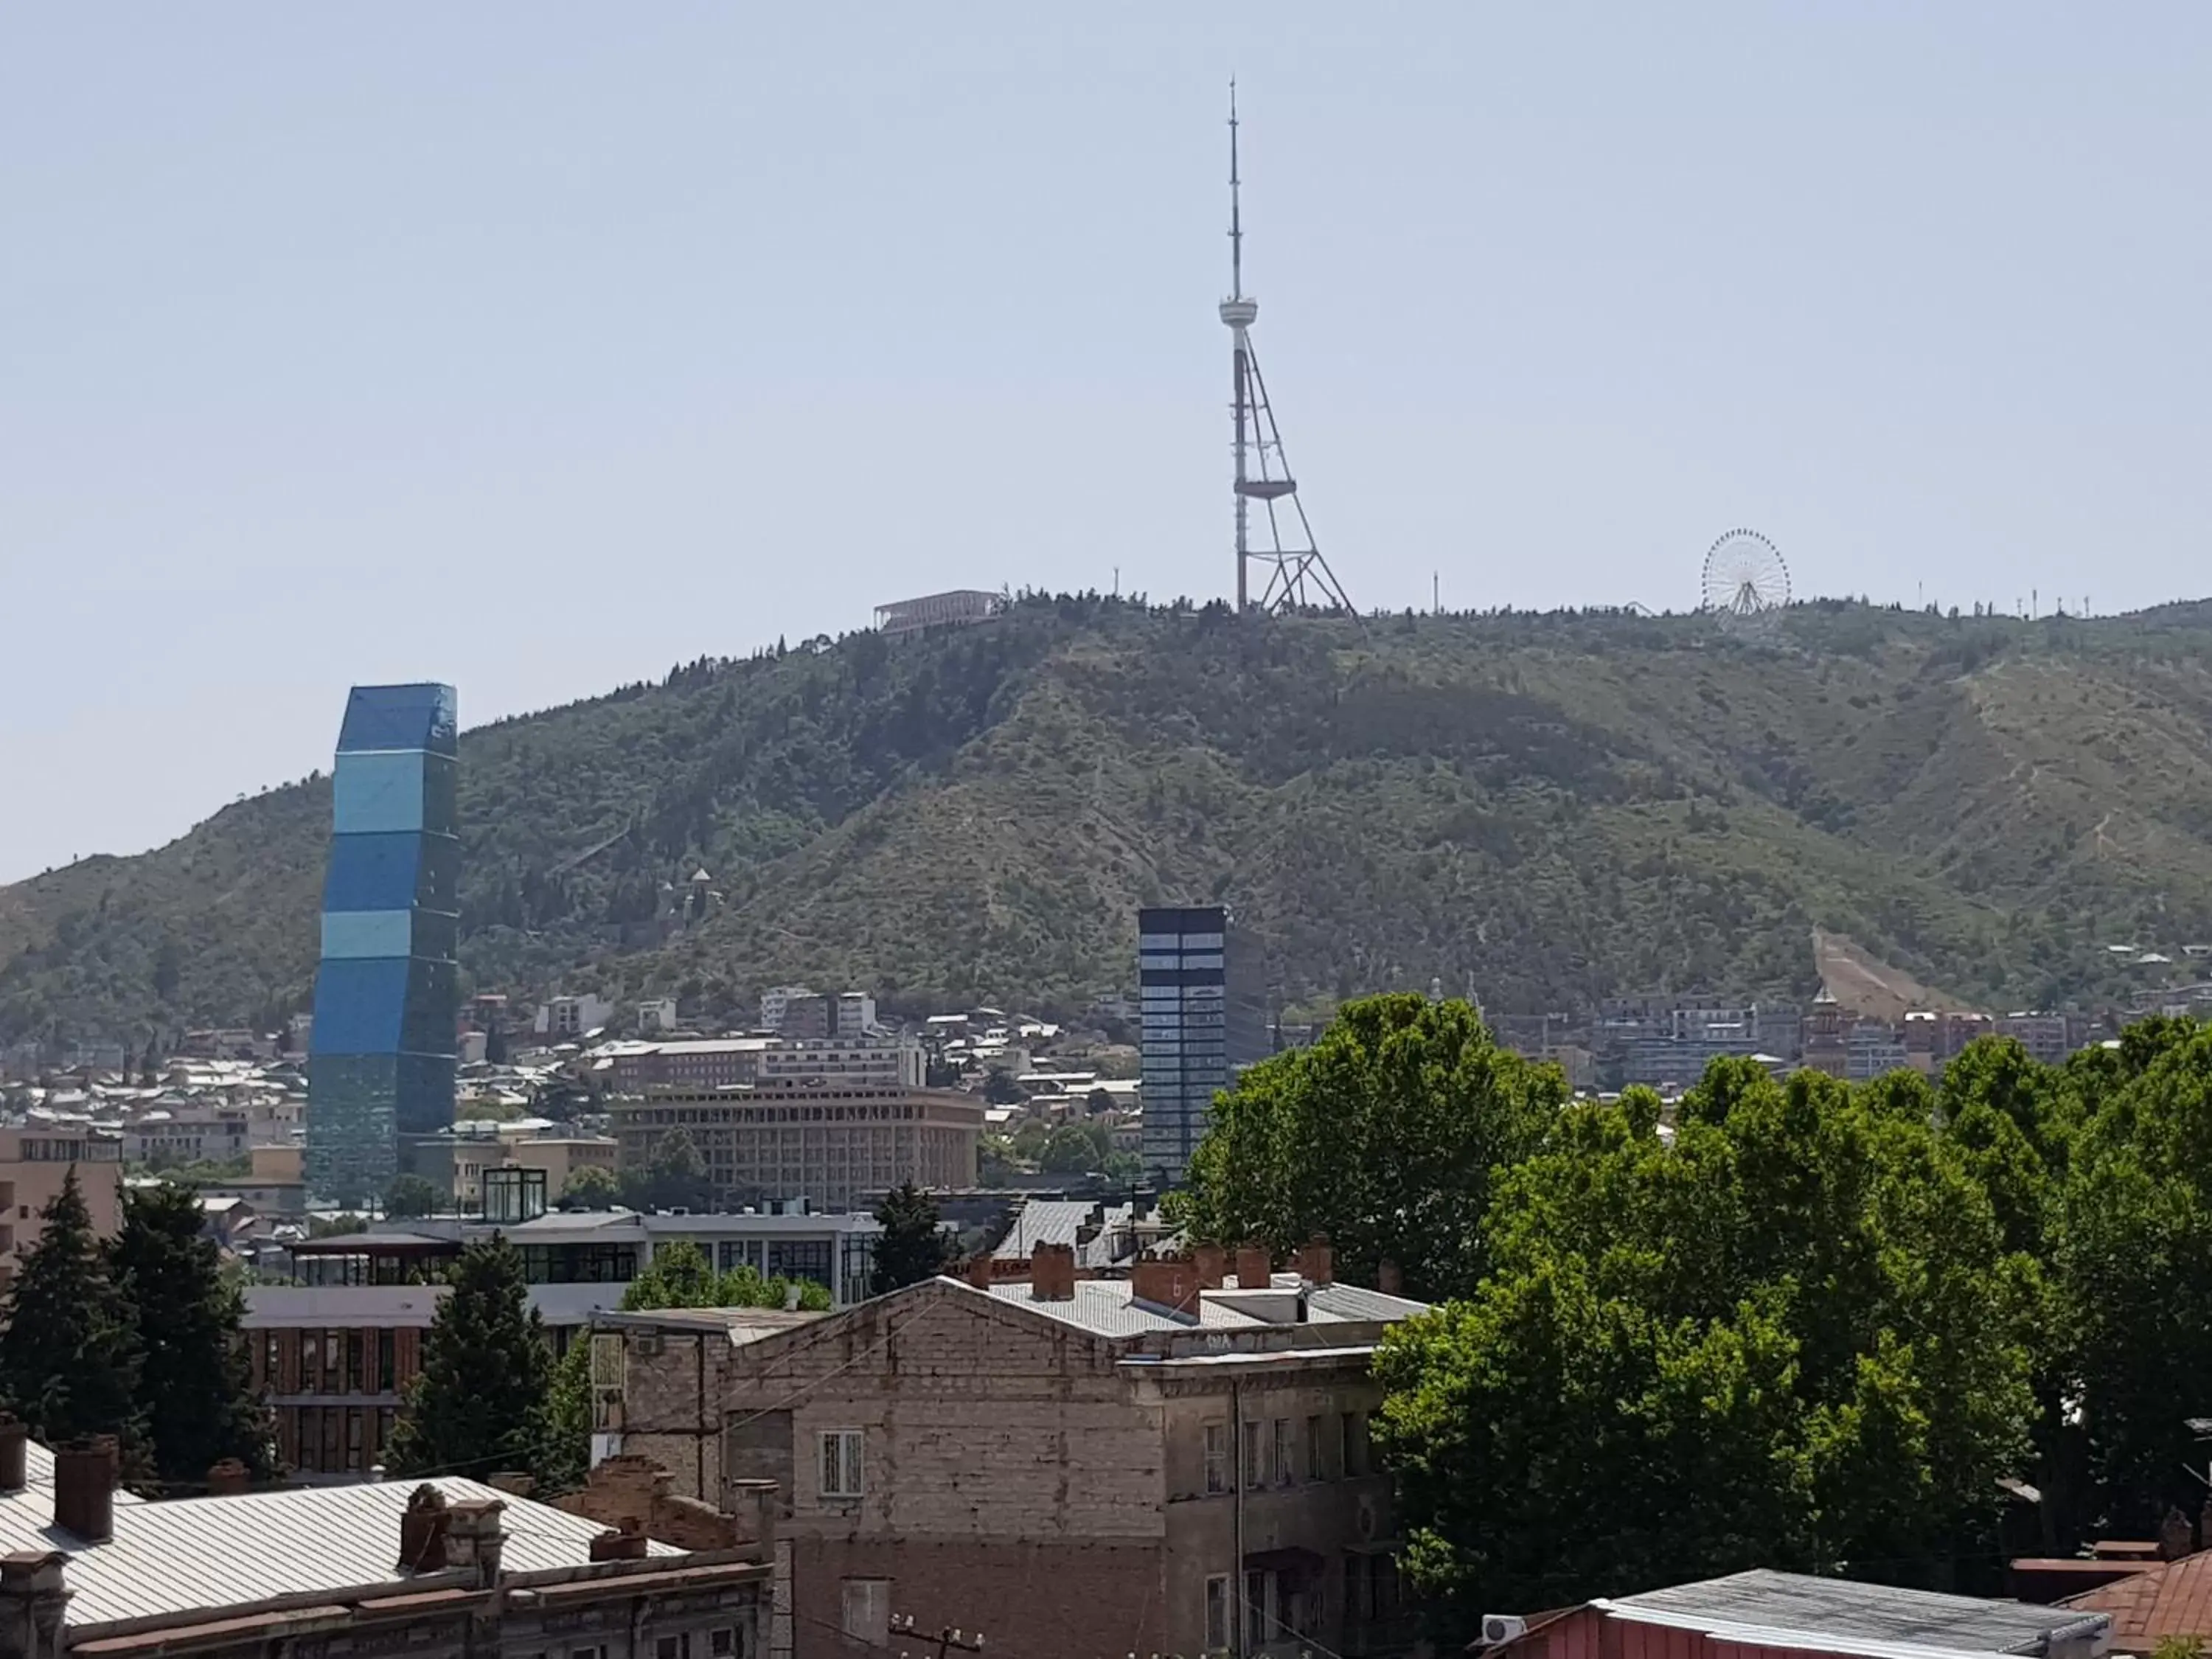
381, 1055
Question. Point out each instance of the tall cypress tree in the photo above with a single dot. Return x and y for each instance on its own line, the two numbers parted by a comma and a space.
479, 1404
69, 1350
196, 1386
912, 1246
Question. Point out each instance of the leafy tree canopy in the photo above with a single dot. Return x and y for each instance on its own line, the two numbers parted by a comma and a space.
409, 1196
1386, 1135
680, 1276
1792, 1337
590, 1187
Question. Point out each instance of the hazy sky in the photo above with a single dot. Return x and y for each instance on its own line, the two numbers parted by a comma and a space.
536, 347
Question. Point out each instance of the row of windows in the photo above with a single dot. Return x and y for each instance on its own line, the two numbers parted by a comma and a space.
1284, 1607
1178, 942
1273, 1448
333, 1361
727, 1643
335, 1440
775, 1115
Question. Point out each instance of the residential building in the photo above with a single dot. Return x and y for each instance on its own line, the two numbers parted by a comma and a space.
564, 1019
455, 1162
2046, 1037
1766, 1613
382, 1051
776, 999
776, 1142
884, 1061
188, 1137
34, 1164
699, 1063
816, 1015
482, 1573
1205, 1018
656, 1014
1015, 1459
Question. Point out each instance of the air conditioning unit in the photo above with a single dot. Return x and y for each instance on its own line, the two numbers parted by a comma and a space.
1500, 1627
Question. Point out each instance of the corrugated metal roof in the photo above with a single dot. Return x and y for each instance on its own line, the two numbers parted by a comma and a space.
196, 1553
1044, 1221
1103, 1307
1352, 1301
1778, 1601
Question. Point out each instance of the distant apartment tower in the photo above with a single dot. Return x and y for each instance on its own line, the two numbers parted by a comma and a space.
382, 1050
1203, 1016
845, 1014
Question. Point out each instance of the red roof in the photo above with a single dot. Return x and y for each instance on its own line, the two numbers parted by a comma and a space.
2173, 1598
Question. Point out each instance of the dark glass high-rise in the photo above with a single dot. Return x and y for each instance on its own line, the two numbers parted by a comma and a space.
1203, 990
381, 1055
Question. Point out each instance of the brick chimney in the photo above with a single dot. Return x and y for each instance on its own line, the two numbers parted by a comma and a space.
84, 1487
1315, 1261
1254, 1269
625, 1543
475, 1539
2175, 1537
227, 1478
979, 1270
1211, 1262
423, 1526
14, 1433
33, 1599
1052, 1273
512, 1482
1387, 1279
1165, 1281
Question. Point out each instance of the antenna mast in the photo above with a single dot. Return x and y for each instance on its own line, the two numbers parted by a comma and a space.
1297, 577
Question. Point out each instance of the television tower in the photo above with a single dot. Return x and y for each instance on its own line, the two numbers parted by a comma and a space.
1295, 577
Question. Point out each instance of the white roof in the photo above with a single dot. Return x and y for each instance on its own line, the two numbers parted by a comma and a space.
195, 1554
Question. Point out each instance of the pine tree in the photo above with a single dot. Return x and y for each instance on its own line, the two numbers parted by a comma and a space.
69, 1350
912, 1246
195, 1383
479, 1404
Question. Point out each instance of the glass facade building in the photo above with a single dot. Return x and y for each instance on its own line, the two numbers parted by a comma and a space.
1203, 1017
381, 1052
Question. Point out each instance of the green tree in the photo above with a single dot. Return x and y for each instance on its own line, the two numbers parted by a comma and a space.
565, 1457
409, 1197
1000, 1088
590, 1187
1387, 1135
676, 1179
68, 1349
195, 1383
678, 1276
479, 1404
1070, 1149
1791, 1338
912, 1246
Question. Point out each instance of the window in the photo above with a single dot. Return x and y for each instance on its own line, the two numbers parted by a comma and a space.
1217, 1457
868, 1608
353, 1438
1255, 1457
673, 1647
1355, 1444
1314, 1471
333, 1361
356, 1363
1260, 1620
723, 1643
386, 1360
841, 1474
1216, 1613
1283, 1470
587, 1653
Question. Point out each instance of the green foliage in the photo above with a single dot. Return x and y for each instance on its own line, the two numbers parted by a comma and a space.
912, 1246
70, 1357
591, 1186
1625, 803
1792, 1337
1387, 1136
334, 1226
680, 1276
675, 1180
566, 1458
409, 1197
1074, 1149
1000, 1088
195, 1386
479, 1406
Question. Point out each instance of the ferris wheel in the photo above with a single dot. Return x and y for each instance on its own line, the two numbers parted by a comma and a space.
1745, 576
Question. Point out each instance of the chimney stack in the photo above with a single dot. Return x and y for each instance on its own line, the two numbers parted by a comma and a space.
14, 1434
84, 1487
423, 1531
1211, 1262
227, 1478
474, 1538
1387, 1279
1165, 1281
33, 1599
1052, 1273
1254, 1271
979, 1270
1316, 1262
624, 1543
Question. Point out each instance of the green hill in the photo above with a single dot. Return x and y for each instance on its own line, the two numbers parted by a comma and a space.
1547, 809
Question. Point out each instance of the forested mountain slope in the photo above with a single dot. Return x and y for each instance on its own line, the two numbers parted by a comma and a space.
1544, 809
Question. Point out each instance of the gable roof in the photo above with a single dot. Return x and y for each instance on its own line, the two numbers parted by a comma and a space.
1788, 1610
2166, 1598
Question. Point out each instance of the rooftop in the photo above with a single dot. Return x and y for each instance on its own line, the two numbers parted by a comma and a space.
2173, 1598
1873, 1617
195, 1554
1109, 1307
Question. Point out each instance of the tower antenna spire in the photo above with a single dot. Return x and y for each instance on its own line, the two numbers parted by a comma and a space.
1235, 215
1297, 577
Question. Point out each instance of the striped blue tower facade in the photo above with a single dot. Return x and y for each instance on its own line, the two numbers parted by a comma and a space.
381, 1057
